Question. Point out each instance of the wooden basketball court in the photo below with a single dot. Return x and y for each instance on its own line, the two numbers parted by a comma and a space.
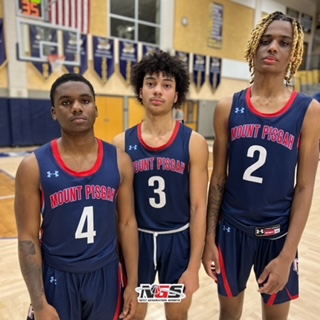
14, 299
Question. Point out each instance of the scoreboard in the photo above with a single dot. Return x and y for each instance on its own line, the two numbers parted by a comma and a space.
31, 9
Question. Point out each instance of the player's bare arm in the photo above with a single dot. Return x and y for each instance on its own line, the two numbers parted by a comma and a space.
217, 184
198, 194
278, 271
128, 233
118, 141
27, 211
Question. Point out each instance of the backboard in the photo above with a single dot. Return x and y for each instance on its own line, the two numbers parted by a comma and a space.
38, 39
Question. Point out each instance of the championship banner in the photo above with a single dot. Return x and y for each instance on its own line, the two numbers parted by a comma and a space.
3, 56
185, 57
103, 57
147, 49
38, 33
214, 72
199, 70
70, 49
128, 57
215, 25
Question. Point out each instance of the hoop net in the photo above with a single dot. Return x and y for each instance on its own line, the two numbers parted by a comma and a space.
56, 62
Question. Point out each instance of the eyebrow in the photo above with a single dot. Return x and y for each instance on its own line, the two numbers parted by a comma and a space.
282, 36
153, 78
84, 95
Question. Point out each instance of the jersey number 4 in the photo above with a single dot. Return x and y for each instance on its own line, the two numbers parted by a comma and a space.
86, 218
262, 156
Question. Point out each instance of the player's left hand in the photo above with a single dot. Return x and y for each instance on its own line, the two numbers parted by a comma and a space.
130, 302
190, 279
274, 276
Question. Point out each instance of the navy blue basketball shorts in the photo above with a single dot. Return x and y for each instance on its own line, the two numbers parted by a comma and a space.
167, 254
95, 296
239, 252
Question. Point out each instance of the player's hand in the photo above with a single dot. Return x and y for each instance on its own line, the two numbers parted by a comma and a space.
210, 259
130, 302
274, 276
47, 313
190, 279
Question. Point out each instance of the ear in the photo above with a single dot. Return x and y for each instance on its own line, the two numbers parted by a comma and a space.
53, 114
176, 97
140, 93
96, 107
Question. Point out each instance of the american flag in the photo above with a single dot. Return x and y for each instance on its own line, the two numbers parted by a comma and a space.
70, 13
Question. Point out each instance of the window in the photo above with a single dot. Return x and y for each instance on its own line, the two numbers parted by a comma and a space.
137, 20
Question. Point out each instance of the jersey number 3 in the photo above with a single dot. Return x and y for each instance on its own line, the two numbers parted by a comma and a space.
249, 173
86, 218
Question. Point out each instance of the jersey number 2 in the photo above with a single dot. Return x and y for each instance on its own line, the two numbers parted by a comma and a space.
248, 174
86, 217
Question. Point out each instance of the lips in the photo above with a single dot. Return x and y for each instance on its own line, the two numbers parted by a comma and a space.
270, 58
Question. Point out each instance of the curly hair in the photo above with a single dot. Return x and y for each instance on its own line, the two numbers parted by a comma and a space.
66, 78
297, 45
161, 62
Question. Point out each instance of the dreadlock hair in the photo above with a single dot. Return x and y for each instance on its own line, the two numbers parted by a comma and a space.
161, 62
297, 45
66, 78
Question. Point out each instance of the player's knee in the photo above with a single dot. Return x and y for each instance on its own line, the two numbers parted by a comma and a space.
176, 315
141, 311
227, 313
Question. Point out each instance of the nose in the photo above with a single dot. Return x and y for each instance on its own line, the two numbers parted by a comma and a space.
76, 107
273, 46
157, 89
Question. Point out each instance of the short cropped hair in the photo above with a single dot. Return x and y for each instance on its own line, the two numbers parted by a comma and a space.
161, 62
297, 45
66, 78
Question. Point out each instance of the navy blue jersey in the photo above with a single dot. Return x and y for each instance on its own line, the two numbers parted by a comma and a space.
79, 227
161, 182
263, 155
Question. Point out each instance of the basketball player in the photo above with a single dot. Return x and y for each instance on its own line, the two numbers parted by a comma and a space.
82, 187
170, 163
265, 162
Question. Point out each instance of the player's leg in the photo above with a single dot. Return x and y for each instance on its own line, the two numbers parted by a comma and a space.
276, 306
178, 311
275, 312
174, 252
236, 256
231, 308
147, 270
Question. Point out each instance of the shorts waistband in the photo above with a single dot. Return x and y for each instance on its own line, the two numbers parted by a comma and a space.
271, 232
185, 227
155, 235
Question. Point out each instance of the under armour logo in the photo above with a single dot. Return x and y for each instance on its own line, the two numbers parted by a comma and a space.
237, 110
135, 147
54, 174
53, 280
259, 231
224, 228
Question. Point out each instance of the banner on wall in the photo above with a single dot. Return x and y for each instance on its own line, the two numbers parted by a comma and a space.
3, 56
37, 33
185, 57
103, 57
70, 49
128, 57
214, 72
147, 49
199, 70
215, 25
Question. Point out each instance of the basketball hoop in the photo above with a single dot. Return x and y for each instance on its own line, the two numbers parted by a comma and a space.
56, 62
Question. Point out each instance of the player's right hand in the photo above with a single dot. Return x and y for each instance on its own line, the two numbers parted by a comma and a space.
210, 259
47, 313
